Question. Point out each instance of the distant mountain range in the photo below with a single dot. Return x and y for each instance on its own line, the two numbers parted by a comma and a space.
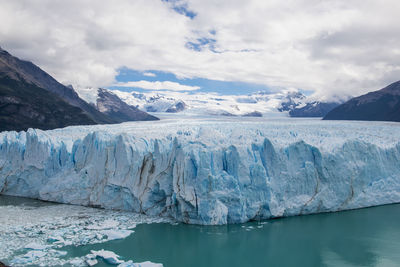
287, 102
381, 105
313, 109
111, 105
31, 98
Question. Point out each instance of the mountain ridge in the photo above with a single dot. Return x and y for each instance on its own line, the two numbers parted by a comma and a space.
110, 104
31, 98
380, 105
25, 70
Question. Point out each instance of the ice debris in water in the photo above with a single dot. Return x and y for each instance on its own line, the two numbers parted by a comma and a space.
112, 258
116, 234
108, 256
141, 264
35, 246
36, 235
91, 262
28, 258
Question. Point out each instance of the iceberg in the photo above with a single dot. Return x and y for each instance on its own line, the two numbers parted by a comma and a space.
208, 171
140, 264
116, 234
108, 256
113, 259
91, 262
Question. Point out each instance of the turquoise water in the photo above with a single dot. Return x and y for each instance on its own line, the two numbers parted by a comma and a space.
366, 237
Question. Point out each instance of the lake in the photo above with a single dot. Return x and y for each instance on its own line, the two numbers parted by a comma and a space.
365, 237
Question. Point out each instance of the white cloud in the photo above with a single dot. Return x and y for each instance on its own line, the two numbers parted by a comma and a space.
167, 85
149, 74
336, 47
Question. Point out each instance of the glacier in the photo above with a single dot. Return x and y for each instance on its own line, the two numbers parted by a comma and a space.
208, 171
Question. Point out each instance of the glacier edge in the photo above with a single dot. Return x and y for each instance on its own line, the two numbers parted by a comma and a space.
194, 181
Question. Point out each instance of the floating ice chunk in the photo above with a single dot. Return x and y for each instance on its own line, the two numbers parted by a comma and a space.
99, 236
141, 264
58, 252
35, 254
127, 264
92, 262
108, 256
77, 262
91, 259
55, 239
90, 256
28, 257
107, 224
116, 234
35, 246
149, 264
20, 261
62, 253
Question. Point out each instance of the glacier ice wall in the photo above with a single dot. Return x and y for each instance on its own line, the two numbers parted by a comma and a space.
207, 173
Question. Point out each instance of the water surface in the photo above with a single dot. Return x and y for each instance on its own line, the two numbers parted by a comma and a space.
366, 237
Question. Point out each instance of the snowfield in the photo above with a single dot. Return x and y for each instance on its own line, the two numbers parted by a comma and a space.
200, 103
208, 170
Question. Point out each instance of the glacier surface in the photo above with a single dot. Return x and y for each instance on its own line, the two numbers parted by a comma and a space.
208, 171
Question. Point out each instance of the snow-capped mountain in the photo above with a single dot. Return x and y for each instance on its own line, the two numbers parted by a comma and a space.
209, 103
287, 102
110, 104
313, 109
31, 98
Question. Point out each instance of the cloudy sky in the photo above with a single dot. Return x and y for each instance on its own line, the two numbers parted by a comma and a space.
332, 47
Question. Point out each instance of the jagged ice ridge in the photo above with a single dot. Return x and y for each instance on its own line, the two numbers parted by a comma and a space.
209, 171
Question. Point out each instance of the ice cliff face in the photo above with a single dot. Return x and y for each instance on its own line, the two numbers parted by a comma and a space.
197, 172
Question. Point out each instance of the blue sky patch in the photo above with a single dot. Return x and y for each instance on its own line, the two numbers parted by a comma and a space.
181, 8
202, 43
206, 85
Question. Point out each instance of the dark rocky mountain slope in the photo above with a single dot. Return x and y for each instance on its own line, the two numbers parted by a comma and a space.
177, 107
31, 98
27, 72
297, 105
111, 105
382, 105
24, 105
313, 109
